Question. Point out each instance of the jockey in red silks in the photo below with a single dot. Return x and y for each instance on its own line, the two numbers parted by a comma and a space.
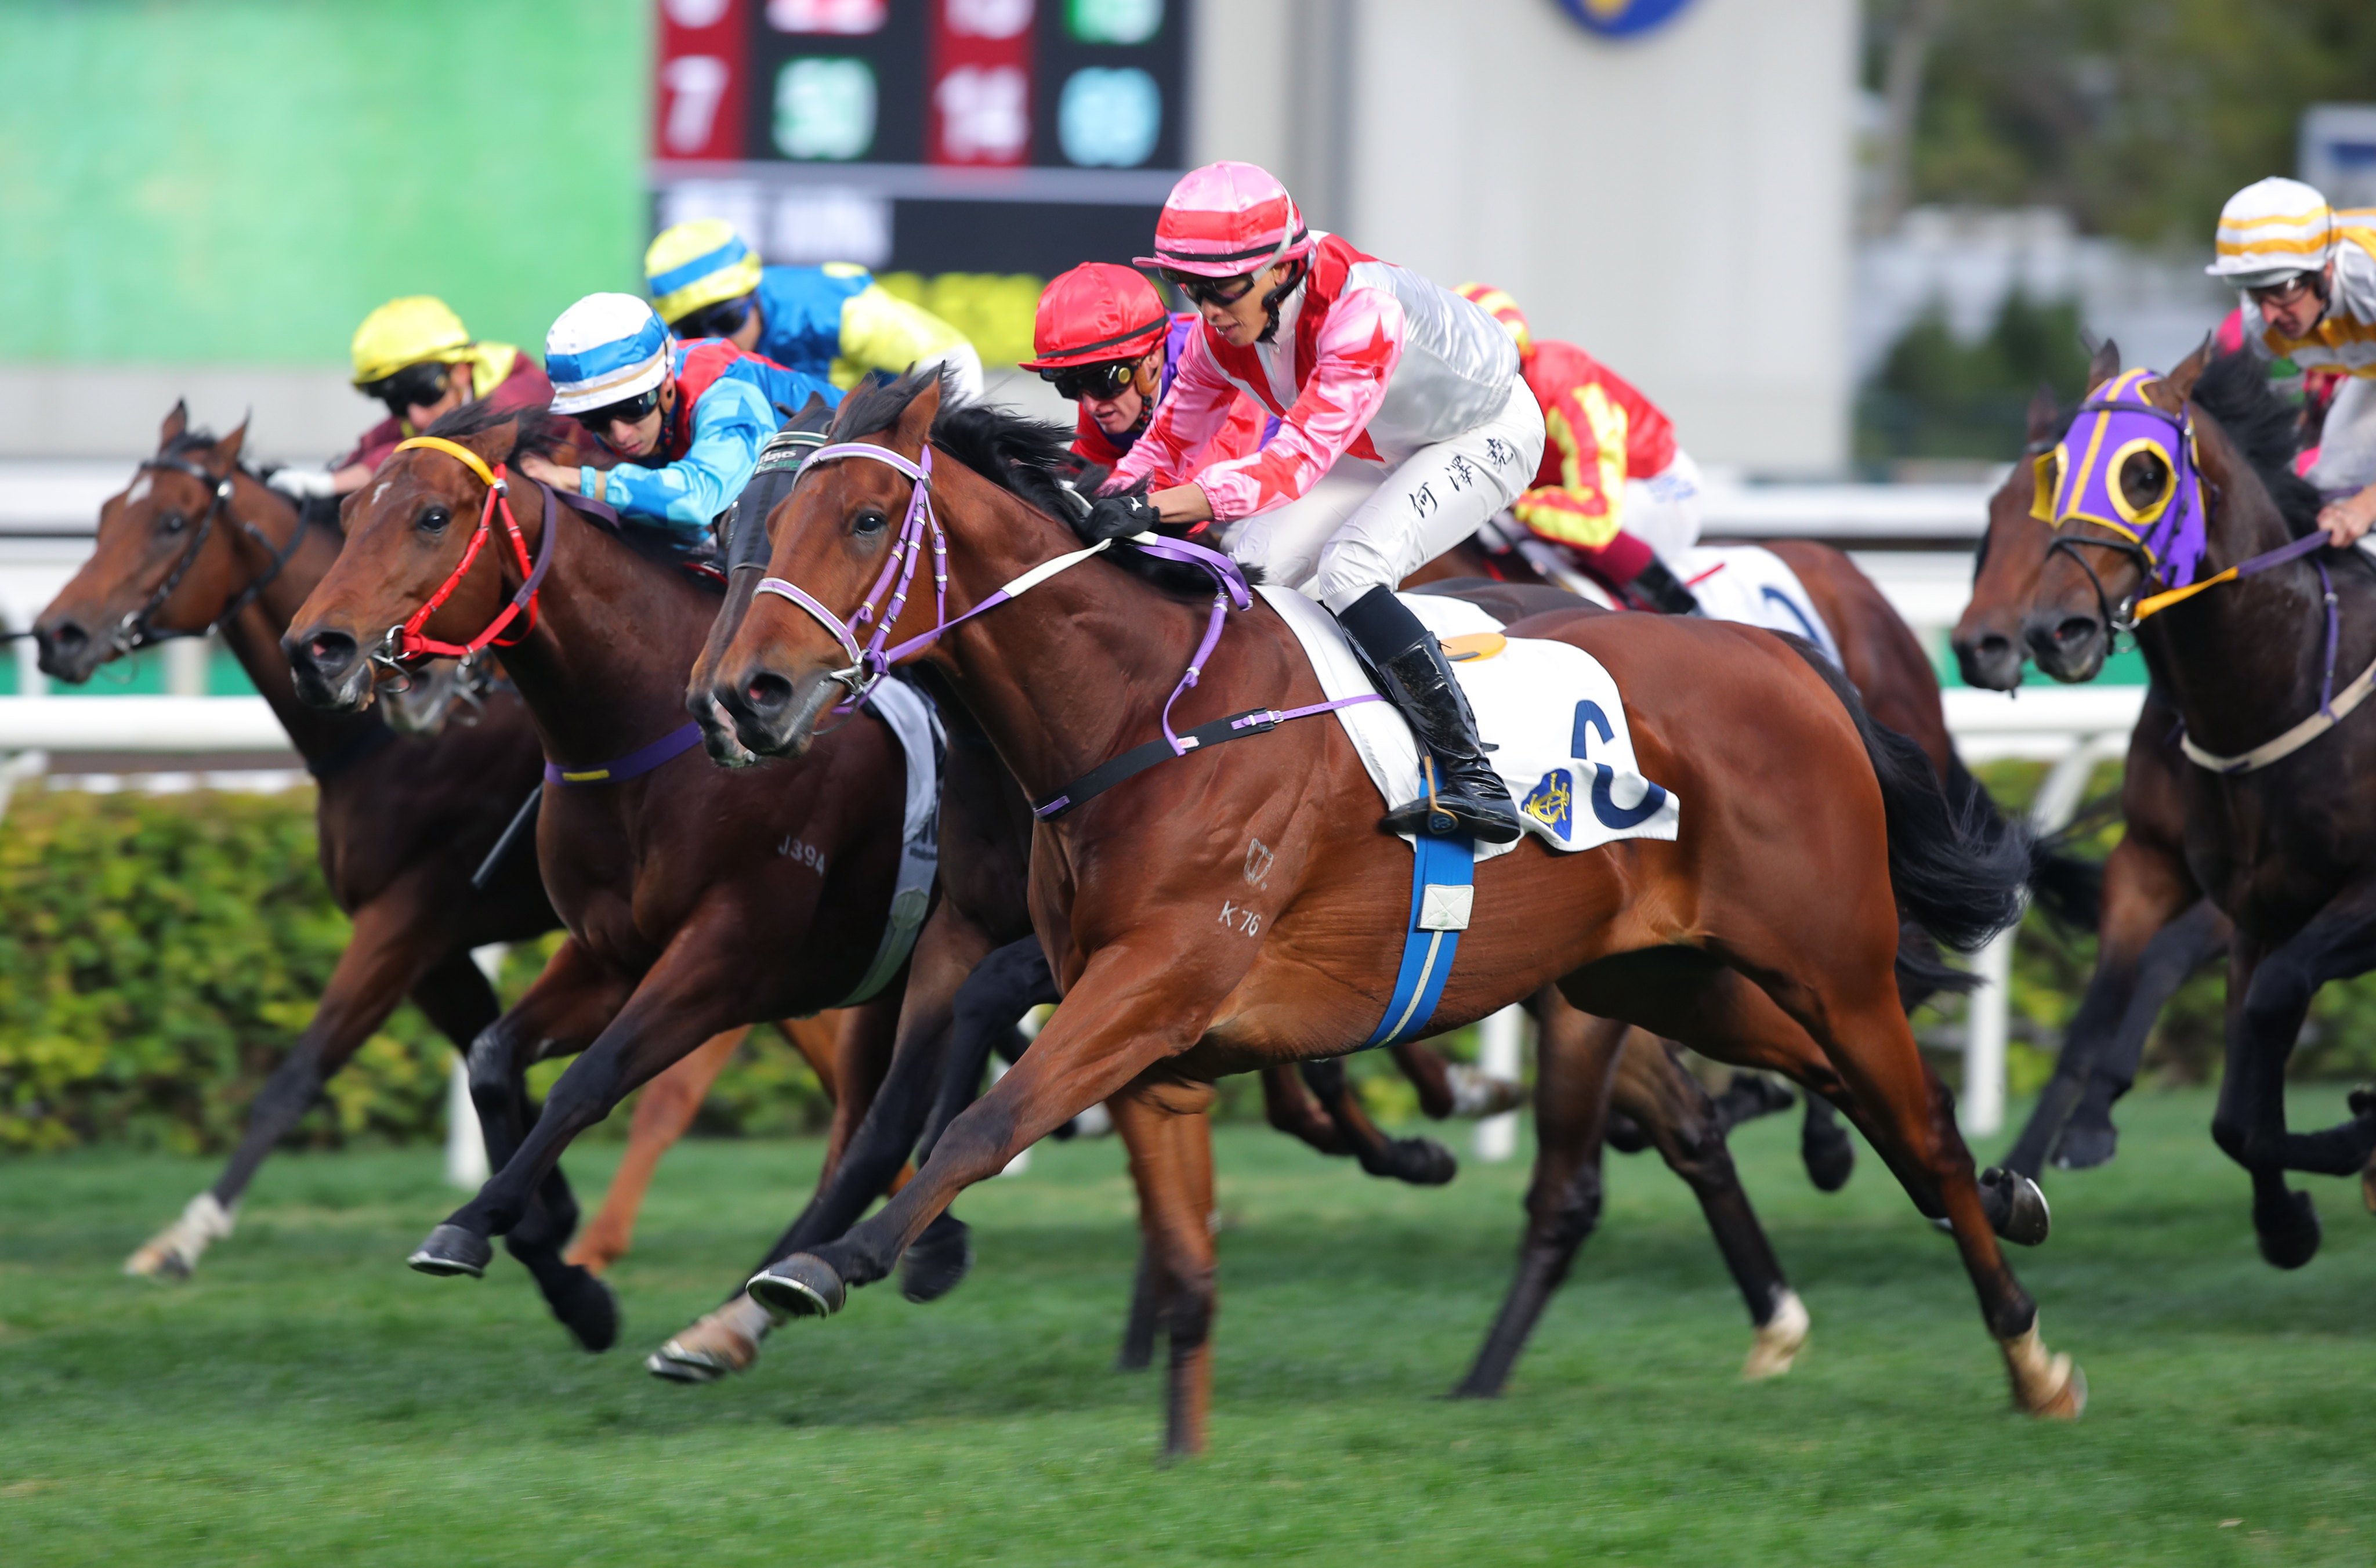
1614, 491
1106, 343
1404, 426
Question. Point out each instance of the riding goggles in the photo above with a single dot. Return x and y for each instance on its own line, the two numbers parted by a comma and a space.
633, 411
1099, 381
1211, 290
414, 387
721, 320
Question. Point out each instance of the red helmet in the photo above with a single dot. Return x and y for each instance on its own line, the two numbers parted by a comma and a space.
1095, 313
1226, 219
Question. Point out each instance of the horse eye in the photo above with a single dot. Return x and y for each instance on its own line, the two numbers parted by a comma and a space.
172, 522
869, 521
432, 520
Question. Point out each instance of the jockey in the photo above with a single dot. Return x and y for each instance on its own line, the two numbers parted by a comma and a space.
688, 418
833, 321
2309, 279
1613, 490
1404, 427
413, 355
1105, 342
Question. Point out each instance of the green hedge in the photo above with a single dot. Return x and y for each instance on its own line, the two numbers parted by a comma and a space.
159, 955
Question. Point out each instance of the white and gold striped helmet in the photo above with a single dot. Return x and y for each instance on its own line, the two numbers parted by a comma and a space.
2271, 231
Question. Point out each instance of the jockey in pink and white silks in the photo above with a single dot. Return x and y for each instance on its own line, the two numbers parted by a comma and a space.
1404, 426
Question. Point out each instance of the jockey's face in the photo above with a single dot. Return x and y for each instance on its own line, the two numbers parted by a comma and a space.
2296, 310
421, 416
1119, 414
640, 438
1240, 322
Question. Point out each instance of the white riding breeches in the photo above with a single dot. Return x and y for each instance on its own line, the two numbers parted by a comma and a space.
1364, 526
2346, 451
1663, 511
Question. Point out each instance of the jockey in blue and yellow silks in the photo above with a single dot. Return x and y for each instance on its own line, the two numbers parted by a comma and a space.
688, 418
833, 321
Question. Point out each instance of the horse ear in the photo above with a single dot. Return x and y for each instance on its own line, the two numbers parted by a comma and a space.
227, 450
2104, 364
176, 424
915, 426
495, 444
2188, 371
2045, 413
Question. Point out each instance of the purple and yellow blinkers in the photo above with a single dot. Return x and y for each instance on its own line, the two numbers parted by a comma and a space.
2081, 479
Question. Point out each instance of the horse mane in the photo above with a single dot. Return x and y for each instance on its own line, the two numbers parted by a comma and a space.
1025, 456
542, 430
2235, 391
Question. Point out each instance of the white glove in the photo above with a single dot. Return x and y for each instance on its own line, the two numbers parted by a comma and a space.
303, 484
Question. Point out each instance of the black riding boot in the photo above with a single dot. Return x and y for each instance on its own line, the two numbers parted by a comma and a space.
1663, 591
1468, 796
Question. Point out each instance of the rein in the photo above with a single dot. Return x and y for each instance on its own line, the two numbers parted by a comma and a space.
407, 641
869, 661
133, 632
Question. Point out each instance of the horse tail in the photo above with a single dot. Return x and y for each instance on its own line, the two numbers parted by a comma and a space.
1958, 867
2069, 887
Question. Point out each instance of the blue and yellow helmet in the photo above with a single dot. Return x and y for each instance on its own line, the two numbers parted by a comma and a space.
698, 264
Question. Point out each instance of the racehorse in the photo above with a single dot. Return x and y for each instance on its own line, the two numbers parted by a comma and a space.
695, 899
1713, 939
2277, 828
2154, 927
406, 821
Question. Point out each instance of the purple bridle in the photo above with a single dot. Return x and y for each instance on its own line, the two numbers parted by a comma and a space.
868, 661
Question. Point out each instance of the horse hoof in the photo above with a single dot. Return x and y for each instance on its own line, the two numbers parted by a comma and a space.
587, 1307
1476, 1093
2289, 1233
937, 1261
1423, 1162
1829, 1155
800, 1286
2050, 1387
452, 1250
1779, 1339
159, 1259
2016, 1209
2085, 1144
719, 1345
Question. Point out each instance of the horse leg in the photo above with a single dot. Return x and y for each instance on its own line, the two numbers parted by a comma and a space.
663, 1112
1825, 1147
2145, 888
1748, 1096
1422, 1162
1574, 1061
1837, 1036
2178, 949
1137, 1352
1431, 1074
1289, 1107
1652, 1087
396, 942
1164, 1127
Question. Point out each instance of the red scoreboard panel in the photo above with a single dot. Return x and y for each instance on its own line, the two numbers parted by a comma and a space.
927, 135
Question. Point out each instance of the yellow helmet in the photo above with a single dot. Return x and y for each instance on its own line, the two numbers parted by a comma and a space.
407, 331
696, 263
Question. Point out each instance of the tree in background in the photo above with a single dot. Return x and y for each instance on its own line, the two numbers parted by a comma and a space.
1936, 398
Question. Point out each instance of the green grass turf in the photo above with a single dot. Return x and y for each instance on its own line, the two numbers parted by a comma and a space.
306, 1400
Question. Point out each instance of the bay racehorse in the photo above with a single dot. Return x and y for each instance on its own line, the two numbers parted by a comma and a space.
2154, 928
2179, 515
696, 900
406, 821
1718, 939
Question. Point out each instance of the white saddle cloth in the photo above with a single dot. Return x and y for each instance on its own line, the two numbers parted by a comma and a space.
1750, 584
1551, 708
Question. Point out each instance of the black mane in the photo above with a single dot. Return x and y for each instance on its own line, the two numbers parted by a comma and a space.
542, 430
1026, 457
2235, 390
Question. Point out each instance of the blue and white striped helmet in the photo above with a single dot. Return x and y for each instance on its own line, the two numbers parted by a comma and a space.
604, 349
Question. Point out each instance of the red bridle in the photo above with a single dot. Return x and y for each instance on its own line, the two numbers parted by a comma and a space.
407, 641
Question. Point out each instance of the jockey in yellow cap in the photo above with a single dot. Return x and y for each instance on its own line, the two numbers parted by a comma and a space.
833, 321
414, 356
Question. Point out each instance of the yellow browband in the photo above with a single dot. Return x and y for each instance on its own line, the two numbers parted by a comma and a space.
470, 460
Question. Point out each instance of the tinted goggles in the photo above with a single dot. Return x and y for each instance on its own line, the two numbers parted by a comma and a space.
721, 320
1099, 381
414, 387
1212, 291
633, 410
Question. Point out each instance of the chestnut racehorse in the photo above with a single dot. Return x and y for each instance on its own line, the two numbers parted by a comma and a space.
2154, 927
1719, 938
696, 899
196, 543
2278, 829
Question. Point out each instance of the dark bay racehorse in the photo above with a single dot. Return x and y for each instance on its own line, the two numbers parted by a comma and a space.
696, 899
2154, 927
2265, 672
406, 821
1714, 940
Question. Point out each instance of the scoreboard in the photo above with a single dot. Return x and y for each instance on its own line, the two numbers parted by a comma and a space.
926, 135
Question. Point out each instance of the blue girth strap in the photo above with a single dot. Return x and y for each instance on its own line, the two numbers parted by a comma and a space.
636, 764
1442, 885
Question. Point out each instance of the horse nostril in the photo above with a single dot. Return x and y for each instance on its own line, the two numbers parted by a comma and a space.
331, 651
65, 637
767, 693
2074, 630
